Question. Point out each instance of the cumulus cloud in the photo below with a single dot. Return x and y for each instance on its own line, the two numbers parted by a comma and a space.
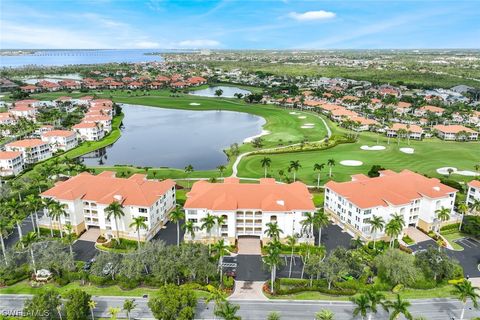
199, 43
312, 15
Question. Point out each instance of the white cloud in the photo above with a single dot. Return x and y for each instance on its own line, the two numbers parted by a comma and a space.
312, 15
199, 43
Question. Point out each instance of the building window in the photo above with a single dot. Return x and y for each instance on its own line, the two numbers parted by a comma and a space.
142, 210
273, 218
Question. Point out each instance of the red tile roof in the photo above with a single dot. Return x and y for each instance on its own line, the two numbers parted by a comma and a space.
474, 183
6, 155
267, 196
27, 143
58, 133
452, 128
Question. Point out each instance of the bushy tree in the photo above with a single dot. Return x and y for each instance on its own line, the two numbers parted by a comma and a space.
53, 256
76, 306
43, 305
396, 267
172, 302
435, 264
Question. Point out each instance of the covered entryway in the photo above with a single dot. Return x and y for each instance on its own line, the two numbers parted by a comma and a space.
91, 234
416, 235
249, 245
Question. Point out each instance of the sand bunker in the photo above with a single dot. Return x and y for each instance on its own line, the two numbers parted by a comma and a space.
407, 150
307, 127
373, 148
302, 117
468, 173
194, 104
351, 163
309, 124
250, 139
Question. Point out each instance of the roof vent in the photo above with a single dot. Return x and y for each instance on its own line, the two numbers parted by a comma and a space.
436, 188
117, 197
280, 202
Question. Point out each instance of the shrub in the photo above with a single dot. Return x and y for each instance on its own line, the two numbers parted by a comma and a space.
471, 225
228, 282
453, 226
408, 240
452, 183
423, 284
456, 281
399, 287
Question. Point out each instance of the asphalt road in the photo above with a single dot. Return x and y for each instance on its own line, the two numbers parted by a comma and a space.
432, 309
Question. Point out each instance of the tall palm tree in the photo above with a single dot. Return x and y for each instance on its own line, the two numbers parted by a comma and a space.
291, 241
49, 203
221, 168
324, 314
189, 228
57, 211
375, 298
272, 260
32, 204
188, 169
331, 164
5, 227
320, 220
220, 221
221, 249
393, 229
318, 167
376, 224
115, 210
176, 216
266, 162
294, 166
273, 230
91, 305
362, 305
462, 209
308, 223
138, 223
475, 205
398, 307
14, 210
464, 292
208, 222
228, 311
27, 241
443, 214
128, 306
69, 237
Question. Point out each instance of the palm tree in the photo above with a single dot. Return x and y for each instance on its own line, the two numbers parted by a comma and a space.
377, 224
215, 295
228, 311
307, 223
320, 220
91, 305
49, 203
273, 316
208, 222
5, 226
33, 203
398, 306
443, 214
318, 167
294, 166
464, 292
128, 306
324, 314
176, 216
272, 259
115, 210
266, 162
362, 305
462, 209
273, 230
113, 312
69, 237
394, 228
291, 241
27, 241
375, 299
57, 211
475, 205
14, 210
138, 223
221, 168
221, 249
220, 221
188, 169
189, 228
331, 164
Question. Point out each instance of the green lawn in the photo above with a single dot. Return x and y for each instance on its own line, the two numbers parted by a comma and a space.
24, 287
454, 236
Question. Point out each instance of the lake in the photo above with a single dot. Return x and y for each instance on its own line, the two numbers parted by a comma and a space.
228, 92
70, 57
156, 137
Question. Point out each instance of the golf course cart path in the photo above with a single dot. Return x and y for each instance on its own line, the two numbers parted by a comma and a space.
241, 156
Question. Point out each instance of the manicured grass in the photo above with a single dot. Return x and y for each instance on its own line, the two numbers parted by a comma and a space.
429, 155
24, 287
451, 236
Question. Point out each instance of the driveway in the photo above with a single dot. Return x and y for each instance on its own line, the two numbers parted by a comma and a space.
248, 290
416, 235
84, 250
91, 235
168, 233
251, 268
249, 245
333, 236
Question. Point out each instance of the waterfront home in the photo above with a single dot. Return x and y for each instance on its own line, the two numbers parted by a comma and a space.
86, 197
473, 192
60, 139
33, 150
89, 131
247, 208
411, 131
196, 81
414, 197
11, 163
29, 89
179, 85
455, 132
48, 85
104, 120
70, 84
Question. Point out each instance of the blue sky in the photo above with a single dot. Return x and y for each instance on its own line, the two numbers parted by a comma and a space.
245, 24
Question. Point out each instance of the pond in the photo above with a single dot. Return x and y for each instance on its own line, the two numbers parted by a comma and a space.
228, 92
156, 137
